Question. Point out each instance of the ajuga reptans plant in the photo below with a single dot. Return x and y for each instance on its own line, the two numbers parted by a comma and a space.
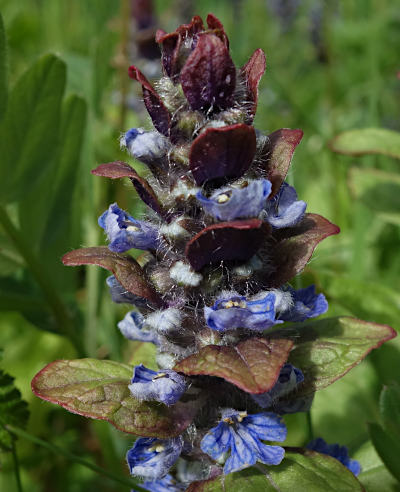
223, 237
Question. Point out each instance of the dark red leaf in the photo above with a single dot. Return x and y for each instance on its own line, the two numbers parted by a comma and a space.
292, 247
277, 155
119, 169
253, 365
125, 269
208, 77
237, 240
215, 24
170, 46
252, 72
222, 152
155, 107
195, 26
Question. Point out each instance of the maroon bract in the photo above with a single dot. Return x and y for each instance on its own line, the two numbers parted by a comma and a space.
222, 152
277, 155
252, 73
237, 240
119, 169
154, 105
208, 77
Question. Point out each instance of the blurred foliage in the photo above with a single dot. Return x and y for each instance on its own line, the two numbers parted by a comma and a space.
332, 67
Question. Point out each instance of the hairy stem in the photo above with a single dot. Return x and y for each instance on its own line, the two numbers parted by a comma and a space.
63, 320
76, 459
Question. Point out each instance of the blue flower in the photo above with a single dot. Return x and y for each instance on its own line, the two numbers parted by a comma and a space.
124, 232
234, 311
289, 378
121, 295
306, 304
284, 210
237, 203
241, 434
341, 453
166, 386
166, 484
145, 146
152, 458
133, 327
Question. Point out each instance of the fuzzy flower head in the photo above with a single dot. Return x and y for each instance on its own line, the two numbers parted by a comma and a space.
341, 453
231, 312
152, 458
166, 386
124, 232
242, 436
145, 146
133, 327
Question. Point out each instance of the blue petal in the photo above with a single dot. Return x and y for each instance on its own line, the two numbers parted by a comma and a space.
152, 458
166, 386
284, 210
336, 451
147, 147
133, 328
289, 377
217, 441
270, 455
166, 484
243, 451
266, 426
120, 295
306, 304
254, 315
124, 232
237, 203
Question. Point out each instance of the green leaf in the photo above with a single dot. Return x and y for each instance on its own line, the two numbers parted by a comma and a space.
99, 389
253, 365
13, 410
325, 350
379, 191
47, 214
374, 475
368, 141
303, 470
389, 404
387, 447
29, 130
3, 69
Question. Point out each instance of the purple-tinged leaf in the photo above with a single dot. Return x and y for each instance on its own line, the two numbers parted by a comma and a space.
155, 107
170, 46
292, 247
216, 25
277, 155
208, 77
327, 349
253, 365
99, 389
237, 240
301, 470
225, 152
252, 73
119, 169
125, 269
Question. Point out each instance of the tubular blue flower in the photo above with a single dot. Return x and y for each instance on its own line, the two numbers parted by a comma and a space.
166, 484
284, 210
232, 312
121, 295
166, 386
124, 232
152, 458
306, 304
241, 434
230, 203
145, 146
133, 327
341, 453
288, 379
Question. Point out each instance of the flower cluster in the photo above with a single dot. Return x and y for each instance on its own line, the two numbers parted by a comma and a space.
223, 237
